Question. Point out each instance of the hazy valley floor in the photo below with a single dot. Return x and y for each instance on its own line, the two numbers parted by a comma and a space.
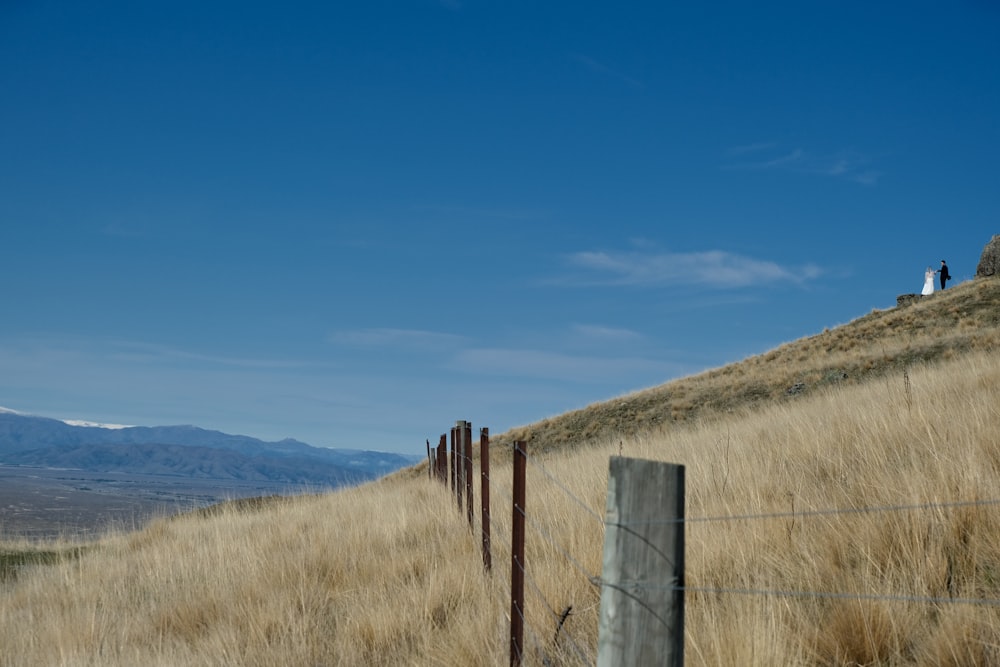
42, 503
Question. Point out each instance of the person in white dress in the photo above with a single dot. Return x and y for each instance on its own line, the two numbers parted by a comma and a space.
928, 281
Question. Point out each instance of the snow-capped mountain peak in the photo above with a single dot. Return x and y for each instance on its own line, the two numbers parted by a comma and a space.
77, 422
71, 422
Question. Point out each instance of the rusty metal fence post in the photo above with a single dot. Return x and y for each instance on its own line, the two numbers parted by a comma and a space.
517, 556
442, 459
452, 457
459, 462
484, 494
470, 512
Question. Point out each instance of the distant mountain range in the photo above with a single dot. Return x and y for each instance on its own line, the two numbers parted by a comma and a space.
184, 451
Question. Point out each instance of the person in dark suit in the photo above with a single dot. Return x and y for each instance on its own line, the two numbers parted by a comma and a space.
945, 276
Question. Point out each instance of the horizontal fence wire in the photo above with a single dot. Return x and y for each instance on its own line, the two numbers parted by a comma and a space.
547, 536
565, 489
530, 580
535, 635
631, 587
565, 554
843, 596
555, 614
634, 588
535, 639
810, 513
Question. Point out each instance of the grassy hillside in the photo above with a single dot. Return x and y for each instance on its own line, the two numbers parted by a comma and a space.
942, 326
896, 411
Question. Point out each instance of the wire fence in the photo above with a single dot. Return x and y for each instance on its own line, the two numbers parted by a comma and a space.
548, 637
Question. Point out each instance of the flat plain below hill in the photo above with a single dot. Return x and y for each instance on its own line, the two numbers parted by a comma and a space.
44, 503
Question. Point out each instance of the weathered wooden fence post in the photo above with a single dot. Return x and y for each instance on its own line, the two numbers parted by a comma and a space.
642, 580
517, 556
484, 494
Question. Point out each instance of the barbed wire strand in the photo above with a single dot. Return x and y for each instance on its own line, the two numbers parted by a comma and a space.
530, 522
555, 614
566, 490
503, 492
505, 613
809, 513
845, 596
528, 579
532, 635
763, 515
538, 528
630, 587
536, 639
627, 586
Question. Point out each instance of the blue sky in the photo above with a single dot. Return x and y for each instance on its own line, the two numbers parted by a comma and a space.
352, 223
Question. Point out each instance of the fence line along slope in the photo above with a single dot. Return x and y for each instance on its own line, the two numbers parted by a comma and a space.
850, 527
389, 573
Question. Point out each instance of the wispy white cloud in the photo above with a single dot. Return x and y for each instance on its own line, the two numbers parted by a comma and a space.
541, 364
387, 337
765, 156
603, 333
110, 382
133, 351
791, 158
846, 164
713, 268
600, 68
866, 177
68, 350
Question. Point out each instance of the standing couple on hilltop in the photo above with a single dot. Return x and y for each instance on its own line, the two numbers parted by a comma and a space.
929, 278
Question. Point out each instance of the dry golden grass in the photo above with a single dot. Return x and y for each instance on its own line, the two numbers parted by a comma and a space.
390, 573
950, 323
351, 578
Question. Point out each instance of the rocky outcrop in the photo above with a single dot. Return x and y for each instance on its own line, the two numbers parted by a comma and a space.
989, 262
989, 267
